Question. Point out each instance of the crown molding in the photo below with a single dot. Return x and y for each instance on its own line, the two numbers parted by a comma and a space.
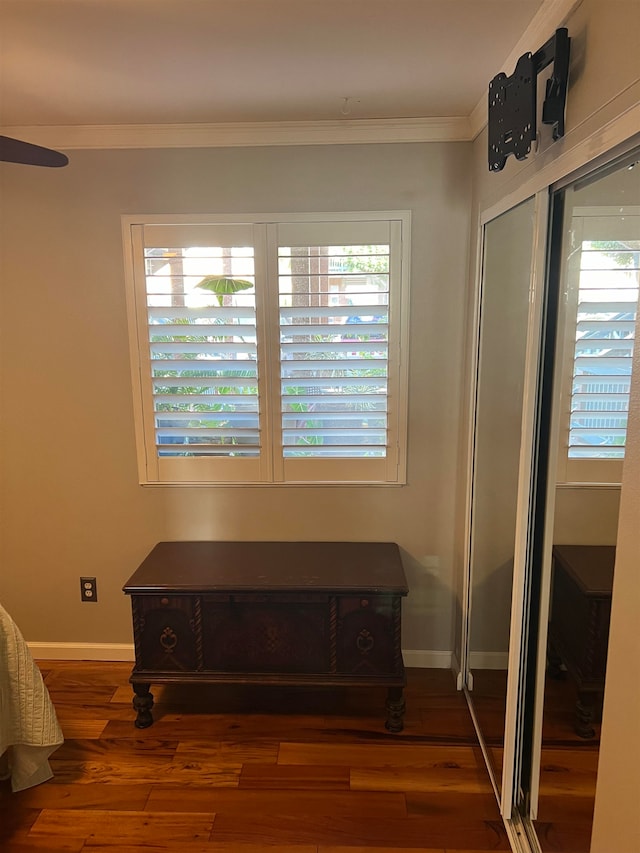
551, 15
243, 134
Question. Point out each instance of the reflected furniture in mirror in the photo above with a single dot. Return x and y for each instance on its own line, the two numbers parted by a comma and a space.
579, 624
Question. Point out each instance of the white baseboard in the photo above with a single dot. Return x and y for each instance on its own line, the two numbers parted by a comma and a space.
124, 652
82, 651
425, 659
457, 670
488, 660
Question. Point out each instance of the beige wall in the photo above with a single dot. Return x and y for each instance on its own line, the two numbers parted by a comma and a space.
71, 504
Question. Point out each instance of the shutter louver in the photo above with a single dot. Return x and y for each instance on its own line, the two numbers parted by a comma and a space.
269, 348
607, 305
202, 347
334, 350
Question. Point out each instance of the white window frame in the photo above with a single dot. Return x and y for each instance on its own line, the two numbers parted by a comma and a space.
270, 468
587, 471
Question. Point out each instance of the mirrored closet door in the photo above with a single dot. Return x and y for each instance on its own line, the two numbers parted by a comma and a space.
595, 269
505, 414
557, 310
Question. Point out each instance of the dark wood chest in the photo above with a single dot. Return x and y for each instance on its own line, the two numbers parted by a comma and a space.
295, 613
579, 625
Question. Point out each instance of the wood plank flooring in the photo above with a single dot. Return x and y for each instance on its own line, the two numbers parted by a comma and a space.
568, 764
568, 774
249, 770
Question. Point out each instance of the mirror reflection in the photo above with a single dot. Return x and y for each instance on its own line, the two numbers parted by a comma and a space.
600, 279
508, 249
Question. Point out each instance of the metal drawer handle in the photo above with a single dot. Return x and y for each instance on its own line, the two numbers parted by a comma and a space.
364, 641
168, 640
164, 601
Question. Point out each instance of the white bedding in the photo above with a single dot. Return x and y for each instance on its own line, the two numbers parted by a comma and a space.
29, 729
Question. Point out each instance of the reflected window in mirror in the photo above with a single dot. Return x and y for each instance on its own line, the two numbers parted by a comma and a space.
601, 278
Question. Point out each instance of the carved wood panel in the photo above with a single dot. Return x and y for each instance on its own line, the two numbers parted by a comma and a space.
166, 633
365, 643
259, 634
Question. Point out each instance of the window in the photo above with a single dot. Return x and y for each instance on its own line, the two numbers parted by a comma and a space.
605, 325
269, 350
603, 276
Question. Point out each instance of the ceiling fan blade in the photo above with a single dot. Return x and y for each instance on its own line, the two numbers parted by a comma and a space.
16, 151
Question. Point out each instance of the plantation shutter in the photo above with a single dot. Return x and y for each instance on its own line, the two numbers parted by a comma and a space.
269, 349
202, 405
608, 276
337, 356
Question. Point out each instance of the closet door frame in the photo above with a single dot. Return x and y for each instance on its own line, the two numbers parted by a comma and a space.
527, 487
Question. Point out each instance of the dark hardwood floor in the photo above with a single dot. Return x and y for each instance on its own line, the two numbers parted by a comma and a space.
568, 763
254, 769
568, 773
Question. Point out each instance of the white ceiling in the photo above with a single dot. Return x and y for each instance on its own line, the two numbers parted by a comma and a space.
122, 62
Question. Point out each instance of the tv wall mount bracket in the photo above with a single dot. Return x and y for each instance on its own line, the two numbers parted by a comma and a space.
513, 101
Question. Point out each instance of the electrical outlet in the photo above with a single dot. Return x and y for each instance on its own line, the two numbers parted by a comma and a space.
88, 589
